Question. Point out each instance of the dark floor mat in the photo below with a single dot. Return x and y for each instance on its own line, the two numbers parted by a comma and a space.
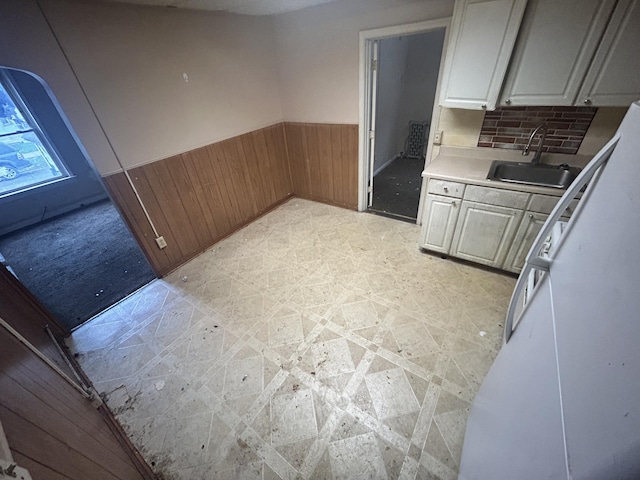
78, 264
396, 189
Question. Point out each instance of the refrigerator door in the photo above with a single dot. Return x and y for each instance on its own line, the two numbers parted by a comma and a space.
514, 429
595, 286
562, 399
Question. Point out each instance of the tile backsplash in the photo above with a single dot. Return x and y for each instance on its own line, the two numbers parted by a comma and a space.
510, 127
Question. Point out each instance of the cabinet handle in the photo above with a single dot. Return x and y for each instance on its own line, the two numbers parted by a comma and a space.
587, 101
446, 189
453, 203
531, 215
507, 101
484, 106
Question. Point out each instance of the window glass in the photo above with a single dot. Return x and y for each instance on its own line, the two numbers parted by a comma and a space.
26, 158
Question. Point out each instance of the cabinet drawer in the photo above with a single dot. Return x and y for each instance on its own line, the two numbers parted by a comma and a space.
545, 203
445, 187
542, 203
496, 196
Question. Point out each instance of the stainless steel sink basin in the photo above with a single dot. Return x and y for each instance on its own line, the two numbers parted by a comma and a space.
555, 176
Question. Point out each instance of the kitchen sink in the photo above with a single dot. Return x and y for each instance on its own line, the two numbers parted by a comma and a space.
555, 176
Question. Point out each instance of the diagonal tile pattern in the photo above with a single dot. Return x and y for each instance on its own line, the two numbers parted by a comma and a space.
315, 343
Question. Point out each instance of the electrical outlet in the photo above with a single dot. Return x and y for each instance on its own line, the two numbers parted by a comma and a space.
162, 243
437, 137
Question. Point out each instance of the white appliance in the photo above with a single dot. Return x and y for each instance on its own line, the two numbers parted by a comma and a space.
562, 400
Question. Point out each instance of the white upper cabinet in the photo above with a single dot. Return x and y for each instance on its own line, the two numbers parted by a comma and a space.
556, 43
483, 34
614, 76
568, 52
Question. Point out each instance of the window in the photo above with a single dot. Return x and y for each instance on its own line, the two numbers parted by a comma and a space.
27, 160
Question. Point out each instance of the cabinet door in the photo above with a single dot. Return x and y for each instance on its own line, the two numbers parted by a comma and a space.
484, 233
614, 76
527, 232
439, 223
483, 34
555, 46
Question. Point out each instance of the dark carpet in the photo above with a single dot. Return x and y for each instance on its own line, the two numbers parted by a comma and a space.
396, 189
78, 264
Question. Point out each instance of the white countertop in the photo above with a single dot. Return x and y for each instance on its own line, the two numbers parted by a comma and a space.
470, 165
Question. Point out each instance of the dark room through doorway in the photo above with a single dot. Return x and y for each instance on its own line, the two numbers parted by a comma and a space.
407, 76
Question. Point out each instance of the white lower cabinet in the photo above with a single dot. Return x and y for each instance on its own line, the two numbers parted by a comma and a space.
527, 232
484, 233
538, 210
491, 226
439, 223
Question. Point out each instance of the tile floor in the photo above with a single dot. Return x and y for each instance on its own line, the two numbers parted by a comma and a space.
316, 343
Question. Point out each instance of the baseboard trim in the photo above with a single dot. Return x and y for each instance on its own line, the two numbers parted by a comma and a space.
56, 213
386, 164
237, 228
326, 202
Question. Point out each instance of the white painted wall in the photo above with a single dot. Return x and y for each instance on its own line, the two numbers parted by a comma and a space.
131, 60
407, 80
244, 72
318, 54
392, 63
602, 128
28, 44
421, 78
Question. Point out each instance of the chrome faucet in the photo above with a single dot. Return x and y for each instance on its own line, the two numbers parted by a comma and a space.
536, 158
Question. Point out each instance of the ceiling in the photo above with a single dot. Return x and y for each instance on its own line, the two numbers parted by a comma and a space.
246, 7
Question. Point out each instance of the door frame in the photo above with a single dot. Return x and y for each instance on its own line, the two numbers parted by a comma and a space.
367, 37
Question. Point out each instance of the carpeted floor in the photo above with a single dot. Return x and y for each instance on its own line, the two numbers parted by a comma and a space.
396, 189
78, 264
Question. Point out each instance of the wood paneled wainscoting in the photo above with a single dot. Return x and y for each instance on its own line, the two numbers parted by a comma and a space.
53, 430
324, 162
199, 197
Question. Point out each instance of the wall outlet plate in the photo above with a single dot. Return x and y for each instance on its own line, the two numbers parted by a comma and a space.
437, 137
162, 243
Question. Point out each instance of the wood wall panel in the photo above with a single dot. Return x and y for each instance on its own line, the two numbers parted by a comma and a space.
323, 159
51, 429
276, 144
29, 317
125, 200
298, 160
197, 198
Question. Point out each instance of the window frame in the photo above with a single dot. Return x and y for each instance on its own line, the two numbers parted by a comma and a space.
34, 127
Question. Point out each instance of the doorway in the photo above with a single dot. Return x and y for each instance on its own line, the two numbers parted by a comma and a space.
59, 232
400, 74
